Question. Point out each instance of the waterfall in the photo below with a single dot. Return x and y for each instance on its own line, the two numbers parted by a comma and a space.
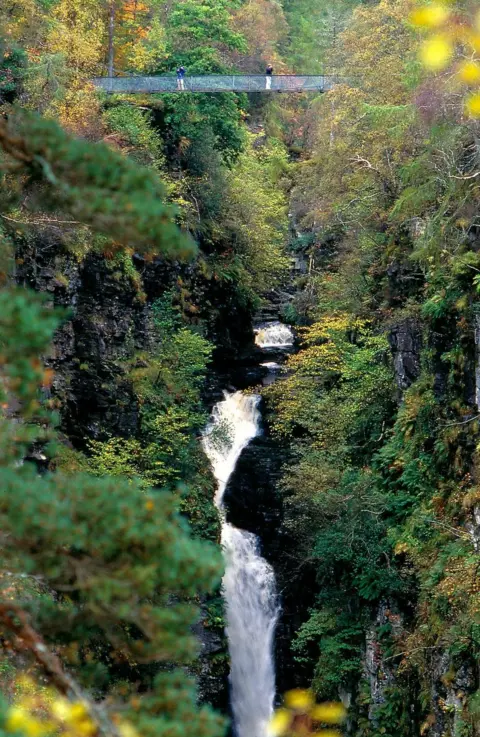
274, 335
249, 582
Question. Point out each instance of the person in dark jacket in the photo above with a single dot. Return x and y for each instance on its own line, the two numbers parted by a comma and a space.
181, 78
268, 77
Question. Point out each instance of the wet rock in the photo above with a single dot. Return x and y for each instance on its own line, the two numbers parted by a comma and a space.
405, 340
212, 667
380, 672
402, 282
472, 526
250, 498
449, 692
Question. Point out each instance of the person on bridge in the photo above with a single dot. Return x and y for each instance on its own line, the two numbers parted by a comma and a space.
268, 77
181, 78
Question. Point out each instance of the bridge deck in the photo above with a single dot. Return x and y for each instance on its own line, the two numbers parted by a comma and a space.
215, 83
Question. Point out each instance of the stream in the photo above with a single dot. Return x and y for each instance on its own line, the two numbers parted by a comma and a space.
248, 585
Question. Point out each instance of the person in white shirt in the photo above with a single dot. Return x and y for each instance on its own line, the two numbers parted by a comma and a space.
268, 77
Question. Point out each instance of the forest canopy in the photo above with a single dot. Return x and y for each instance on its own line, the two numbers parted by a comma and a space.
141, 238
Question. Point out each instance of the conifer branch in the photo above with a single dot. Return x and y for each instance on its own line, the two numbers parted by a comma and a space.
15, 619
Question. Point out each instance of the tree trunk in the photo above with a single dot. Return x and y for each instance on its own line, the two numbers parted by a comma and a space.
111, 32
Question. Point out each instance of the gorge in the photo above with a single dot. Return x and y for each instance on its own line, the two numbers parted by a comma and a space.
248, 584
239, 370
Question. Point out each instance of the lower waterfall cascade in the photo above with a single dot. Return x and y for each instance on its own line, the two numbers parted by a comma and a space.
274, 335
249, 581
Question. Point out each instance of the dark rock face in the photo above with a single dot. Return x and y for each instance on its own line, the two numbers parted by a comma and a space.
250, 497
380, 672
406, 342
211, 672
402, 282
108, 326
107, 320
254, 503
450, 688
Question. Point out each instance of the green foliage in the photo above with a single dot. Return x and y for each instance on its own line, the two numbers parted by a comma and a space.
121, 555
391, 716
168, 389
26, 325
117, 457
93, 184
134, 126
12, 63
197, 31
334, 641
255, 213
314, 27
358, 559
409, 467
129, 535
101, 570
339, 388
333, 406
194, 116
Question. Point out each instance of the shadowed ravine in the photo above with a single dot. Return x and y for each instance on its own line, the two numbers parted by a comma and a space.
249, 581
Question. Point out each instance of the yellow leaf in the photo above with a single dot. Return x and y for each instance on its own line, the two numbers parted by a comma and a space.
279, 723
469, 72
436, 52
78, 711
18, 720
429, 16
472, 105
473, 39
85, 728
299, 699
15, 719
330, 713
61, 709
125, 729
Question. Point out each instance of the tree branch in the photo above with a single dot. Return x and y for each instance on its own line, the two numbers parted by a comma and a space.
415, 650
44, 221
468, 176
16, 620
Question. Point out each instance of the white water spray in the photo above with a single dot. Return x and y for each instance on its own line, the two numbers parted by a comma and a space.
274, 335
249, 582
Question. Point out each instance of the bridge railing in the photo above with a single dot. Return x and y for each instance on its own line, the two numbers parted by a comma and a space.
216, 83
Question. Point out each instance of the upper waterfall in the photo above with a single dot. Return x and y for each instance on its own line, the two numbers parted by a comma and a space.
235, 421
274, 335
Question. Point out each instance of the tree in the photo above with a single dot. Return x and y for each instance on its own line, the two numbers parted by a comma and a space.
200, 35
262, 23
256, 212
96, 573
314, 32
92, 184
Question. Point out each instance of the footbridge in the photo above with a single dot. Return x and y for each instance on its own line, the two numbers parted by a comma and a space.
216, 83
